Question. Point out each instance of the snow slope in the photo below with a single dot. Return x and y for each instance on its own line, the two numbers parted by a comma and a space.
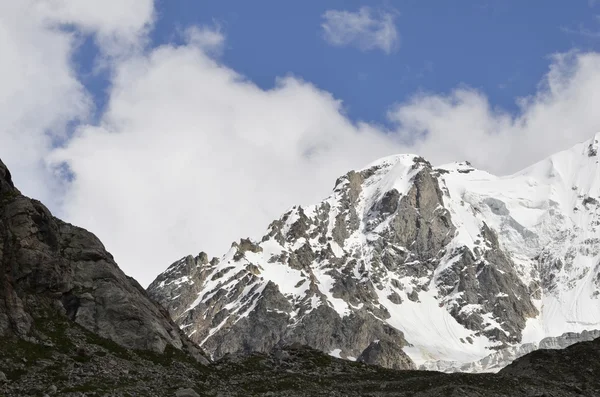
547, 218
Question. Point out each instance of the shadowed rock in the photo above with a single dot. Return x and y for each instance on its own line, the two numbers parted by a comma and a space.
52, 268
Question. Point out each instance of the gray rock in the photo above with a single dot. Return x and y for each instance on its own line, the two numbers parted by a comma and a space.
3, 378
186, 393
568, 339
386, 354
47, 263
46, 280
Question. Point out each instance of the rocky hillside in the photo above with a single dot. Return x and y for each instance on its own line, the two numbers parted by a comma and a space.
406, 264
52, 272
106, 370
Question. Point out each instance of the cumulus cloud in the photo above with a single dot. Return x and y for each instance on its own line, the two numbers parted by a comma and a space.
209, 39
40, 92
464, 126
190, 155
366, 29
119, 26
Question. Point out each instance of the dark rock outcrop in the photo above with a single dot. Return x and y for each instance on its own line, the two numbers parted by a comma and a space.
286, 371
386, 354
576, 365
49, 268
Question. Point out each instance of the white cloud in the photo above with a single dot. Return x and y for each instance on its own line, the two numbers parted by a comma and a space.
208, 39
190, 155
39, 95
120, 26
365, 29
463, 125
40, 91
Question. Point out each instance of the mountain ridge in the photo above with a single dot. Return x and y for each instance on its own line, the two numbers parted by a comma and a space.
445, 263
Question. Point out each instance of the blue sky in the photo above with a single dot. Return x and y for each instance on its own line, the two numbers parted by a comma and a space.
498, 47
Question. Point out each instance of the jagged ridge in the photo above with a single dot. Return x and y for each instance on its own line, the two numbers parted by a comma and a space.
443, 263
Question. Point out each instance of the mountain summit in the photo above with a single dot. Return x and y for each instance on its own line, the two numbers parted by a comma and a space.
406, 264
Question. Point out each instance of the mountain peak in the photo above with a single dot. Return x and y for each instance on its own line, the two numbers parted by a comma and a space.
406, 160
451, 263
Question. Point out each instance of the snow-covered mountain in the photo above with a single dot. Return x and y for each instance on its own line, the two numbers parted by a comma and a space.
406, 264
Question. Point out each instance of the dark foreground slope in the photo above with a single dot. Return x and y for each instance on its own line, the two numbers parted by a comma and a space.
300, 371
307, 372
72, 324
62, 296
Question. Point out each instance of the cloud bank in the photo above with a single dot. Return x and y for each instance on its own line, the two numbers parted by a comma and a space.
464, 126
190, 155
41, 93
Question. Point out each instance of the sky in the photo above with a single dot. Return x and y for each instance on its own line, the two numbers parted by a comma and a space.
171, 127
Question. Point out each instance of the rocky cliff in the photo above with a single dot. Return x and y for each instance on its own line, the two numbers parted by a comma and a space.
50, 269
408, 264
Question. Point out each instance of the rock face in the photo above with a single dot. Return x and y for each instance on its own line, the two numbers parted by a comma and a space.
447, 264
385, 354
49, 268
